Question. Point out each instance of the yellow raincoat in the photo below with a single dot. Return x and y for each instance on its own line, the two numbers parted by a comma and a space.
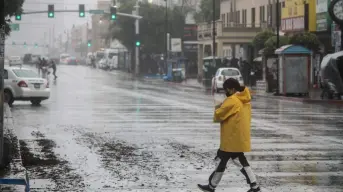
234, 116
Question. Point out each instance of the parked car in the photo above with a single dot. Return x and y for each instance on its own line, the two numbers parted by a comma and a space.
25, 85
15, 61
35, 59
102, 64
225, 73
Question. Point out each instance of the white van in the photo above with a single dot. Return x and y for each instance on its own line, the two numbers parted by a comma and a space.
111, 56
64, 58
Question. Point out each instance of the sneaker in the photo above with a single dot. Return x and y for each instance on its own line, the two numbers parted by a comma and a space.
255, 190
205, 188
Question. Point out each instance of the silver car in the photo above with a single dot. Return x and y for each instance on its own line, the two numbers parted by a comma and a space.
25, 85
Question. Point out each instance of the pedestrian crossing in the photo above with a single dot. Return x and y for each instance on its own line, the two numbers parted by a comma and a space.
295, 147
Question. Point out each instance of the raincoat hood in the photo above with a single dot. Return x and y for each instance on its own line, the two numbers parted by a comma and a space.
244, 96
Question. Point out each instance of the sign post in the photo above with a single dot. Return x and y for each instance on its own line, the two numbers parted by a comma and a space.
96, 11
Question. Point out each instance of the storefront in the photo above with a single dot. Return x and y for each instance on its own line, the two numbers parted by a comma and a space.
323, 24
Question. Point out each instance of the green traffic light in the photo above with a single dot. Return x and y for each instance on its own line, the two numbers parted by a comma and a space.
51, 14
113, 17
138, 43
18, 17
82, 14
89, 44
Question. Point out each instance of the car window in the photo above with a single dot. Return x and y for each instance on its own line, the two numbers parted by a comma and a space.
218, 71
230, 72
5, 74
25, 73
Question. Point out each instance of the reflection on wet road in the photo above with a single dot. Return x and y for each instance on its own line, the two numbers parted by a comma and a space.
123, 135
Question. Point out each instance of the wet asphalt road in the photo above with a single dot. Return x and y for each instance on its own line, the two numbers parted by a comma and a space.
122, 135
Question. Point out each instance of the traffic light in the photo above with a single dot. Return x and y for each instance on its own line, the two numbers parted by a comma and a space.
82, 10
24, 44
137, 42
51, 11
113, 13
89, 43
18, 16
36, 45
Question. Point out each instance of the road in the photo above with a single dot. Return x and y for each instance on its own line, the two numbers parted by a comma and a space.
102, 131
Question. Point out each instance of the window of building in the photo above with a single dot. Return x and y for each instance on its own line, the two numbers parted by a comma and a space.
244, 17
253, 17
227, 19
238, 17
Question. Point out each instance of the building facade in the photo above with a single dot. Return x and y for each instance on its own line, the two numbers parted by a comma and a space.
100, 27
239, 23
79, 36
298, 16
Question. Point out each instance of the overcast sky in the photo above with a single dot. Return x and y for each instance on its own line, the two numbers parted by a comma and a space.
34, 27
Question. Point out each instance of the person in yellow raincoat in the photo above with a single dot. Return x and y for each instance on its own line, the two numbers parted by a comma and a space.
234, 116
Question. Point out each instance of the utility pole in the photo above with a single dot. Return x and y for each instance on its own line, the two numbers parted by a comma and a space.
137, 35
166, 37
214, 28
278, 17
87, 39
2, 62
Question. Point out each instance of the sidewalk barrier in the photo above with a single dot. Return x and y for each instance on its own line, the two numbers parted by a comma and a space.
21, 176
25, 182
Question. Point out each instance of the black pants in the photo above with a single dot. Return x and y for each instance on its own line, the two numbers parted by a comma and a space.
224, 157
54, 72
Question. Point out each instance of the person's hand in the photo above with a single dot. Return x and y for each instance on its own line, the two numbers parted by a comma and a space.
218, 106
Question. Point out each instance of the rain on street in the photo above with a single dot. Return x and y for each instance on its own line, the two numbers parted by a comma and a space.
103, 131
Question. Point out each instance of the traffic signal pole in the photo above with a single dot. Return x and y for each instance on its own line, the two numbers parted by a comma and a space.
76, 10
2, 62
137, 35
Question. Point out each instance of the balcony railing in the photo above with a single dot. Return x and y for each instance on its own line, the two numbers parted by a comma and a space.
205, 30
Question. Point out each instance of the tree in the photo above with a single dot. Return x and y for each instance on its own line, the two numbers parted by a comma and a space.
205, 14
11, 7
152, 26
270, 44
306, 39
261, 38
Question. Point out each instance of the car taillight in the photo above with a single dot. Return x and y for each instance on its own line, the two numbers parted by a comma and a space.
22, 84
219, 78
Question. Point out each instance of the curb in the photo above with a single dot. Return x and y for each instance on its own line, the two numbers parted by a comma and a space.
17, 170
302, 100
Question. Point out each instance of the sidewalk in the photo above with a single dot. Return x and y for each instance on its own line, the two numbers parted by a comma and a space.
314, 97
16, 171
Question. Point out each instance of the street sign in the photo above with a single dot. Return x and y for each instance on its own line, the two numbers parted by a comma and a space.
96, 11
14, 26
